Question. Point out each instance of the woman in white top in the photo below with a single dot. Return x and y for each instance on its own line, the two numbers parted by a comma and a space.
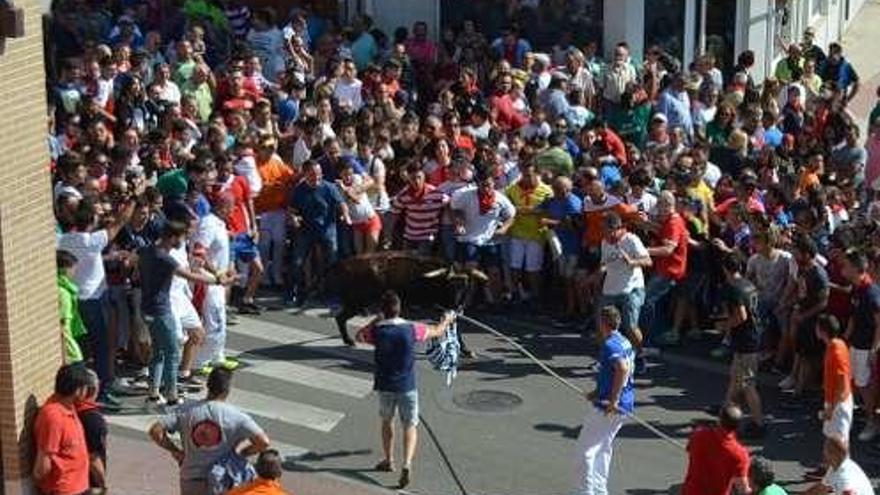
365, 223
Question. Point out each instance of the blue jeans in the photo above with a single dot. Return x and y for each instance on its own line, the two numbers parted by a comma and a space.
302, 246
94, 315
447, 241
656, 290
629, 304
166, 354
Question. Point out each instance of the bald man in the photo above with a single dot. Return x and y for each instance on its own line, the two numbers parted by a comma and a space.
844, 476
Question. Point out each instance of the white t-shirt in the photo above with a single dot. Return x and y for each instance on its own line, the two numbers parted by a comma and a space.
620, 277
214, 236
480, 228
848, 479
361, 209
712, 175
379, 198
87, 247
647, 202
349, 93
246, 166
179, 285
170, 92
301, 152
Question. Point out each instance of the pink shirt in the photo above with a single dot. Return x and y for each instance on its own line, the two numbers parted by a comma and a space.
872, 168
423, 52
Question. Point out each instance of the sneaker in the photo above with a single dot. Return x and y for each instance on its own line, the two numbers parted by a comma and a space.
868, 433
191, 382
650, 351
720, 352
670, 339
109, 401
156, 400
385, 466
787, 383
404, 478
248, 308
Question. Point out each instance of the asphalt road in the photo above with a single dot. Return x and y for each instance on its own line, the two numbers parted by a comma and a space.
525, 447
315, 396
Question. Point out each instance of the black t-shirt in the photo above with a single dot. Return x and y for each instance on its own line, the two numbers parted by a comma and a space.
813, 282
865, 304
744, 337
95, 427
156, 268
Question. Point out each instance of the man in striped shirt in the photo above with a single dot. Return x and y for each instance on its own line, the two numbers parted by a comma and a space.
419, 206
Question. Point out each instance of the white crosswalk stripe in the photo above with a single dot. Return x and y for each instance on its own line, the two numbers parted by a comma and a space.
273, 407
308, 376
141, 422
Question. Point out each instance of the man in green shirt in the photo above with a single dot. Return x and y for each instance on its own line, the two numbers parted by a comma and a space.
73, 329
762, 478
555, 160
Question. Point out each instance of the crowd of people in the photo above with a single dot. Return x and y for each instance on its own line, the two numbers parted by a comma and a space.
206, 151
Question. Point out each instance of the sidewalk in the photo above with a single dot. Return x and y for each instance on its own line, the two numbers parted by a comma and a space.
137, 467
860, 46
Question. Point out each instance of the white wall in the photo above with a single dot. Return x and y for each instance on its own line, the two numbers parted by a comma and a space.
624, 20
757, 34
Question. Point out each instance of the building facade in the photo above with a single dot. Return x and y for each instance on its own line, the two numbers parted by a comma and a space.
30, 343
682, 27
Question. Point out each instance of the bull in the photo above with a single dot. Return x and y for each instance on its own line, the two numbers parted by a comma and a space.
421, 280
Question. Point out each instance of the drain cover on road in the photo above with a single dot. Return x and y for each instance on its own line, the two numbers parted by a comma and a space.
487, 401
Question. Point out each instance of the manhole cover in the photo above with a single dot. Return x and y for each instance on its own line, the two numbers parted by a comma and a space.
488, 401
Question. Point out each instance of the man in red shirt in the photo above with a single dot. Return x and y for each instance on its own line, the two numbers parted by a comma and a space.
61, 466
241, 224
717, 462
670, 262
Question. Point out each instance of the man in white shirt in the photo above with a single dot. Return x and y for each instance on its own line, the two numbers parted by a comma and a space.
844, 476
348, 88
623, 258
212, 243
480, 214
88, 244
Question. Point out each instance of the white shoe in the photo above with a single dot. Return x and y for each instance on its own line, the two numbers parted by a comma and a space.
787, 383
868, 433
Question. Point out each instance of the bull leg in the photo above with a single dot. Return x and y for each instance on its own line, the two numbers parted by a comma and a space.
341, 323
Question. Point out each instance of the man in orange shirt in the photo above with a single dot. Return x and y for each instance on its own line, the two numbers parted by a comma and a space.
837, 415
271, 208
61, 466
268, 480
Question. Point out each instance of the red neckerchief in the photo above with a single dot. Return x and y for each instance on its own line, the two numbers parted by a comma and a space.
486, 199
526, 192
420, 194
864, 281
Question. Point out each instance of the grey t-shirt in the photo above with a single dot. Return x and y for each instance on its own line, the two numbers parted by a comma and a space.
771, 275
209, 430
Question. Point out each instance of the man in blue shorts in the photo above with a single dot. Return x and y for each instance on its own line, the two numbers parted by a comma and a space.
394, 340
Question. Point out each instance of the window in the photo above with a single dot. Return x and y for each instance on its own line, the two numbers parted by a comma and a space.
664, 25
817, 8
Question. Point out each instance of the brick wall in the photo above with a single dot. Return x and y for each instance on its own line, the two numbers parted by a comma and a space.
29, 331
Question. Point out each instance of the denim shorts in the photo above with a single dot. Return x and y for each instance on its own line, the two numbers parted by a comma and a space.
485, 256
405, 404
629, 304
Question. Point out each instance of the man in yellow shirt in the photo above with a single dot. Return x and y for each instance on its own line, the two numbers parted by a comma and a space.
527, 235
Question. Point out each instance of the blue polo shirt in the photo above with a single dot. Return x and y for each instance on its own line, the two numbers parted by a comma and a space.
615, 348
318, 206
394, 341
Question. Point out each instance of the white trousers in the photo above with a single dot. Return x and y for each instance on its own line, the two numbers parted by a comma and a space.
214, 317
593, 454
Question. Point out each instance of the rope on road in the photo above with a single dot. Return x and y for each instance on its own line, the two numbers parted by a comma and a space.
550, 371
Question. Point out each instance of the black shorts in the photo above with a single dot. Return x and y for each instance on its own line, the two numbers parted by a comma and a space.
590, 258
806, 342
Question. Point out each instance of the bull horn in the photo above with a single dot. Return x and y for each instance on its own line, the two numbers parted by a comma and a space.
478, 274
435, 273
